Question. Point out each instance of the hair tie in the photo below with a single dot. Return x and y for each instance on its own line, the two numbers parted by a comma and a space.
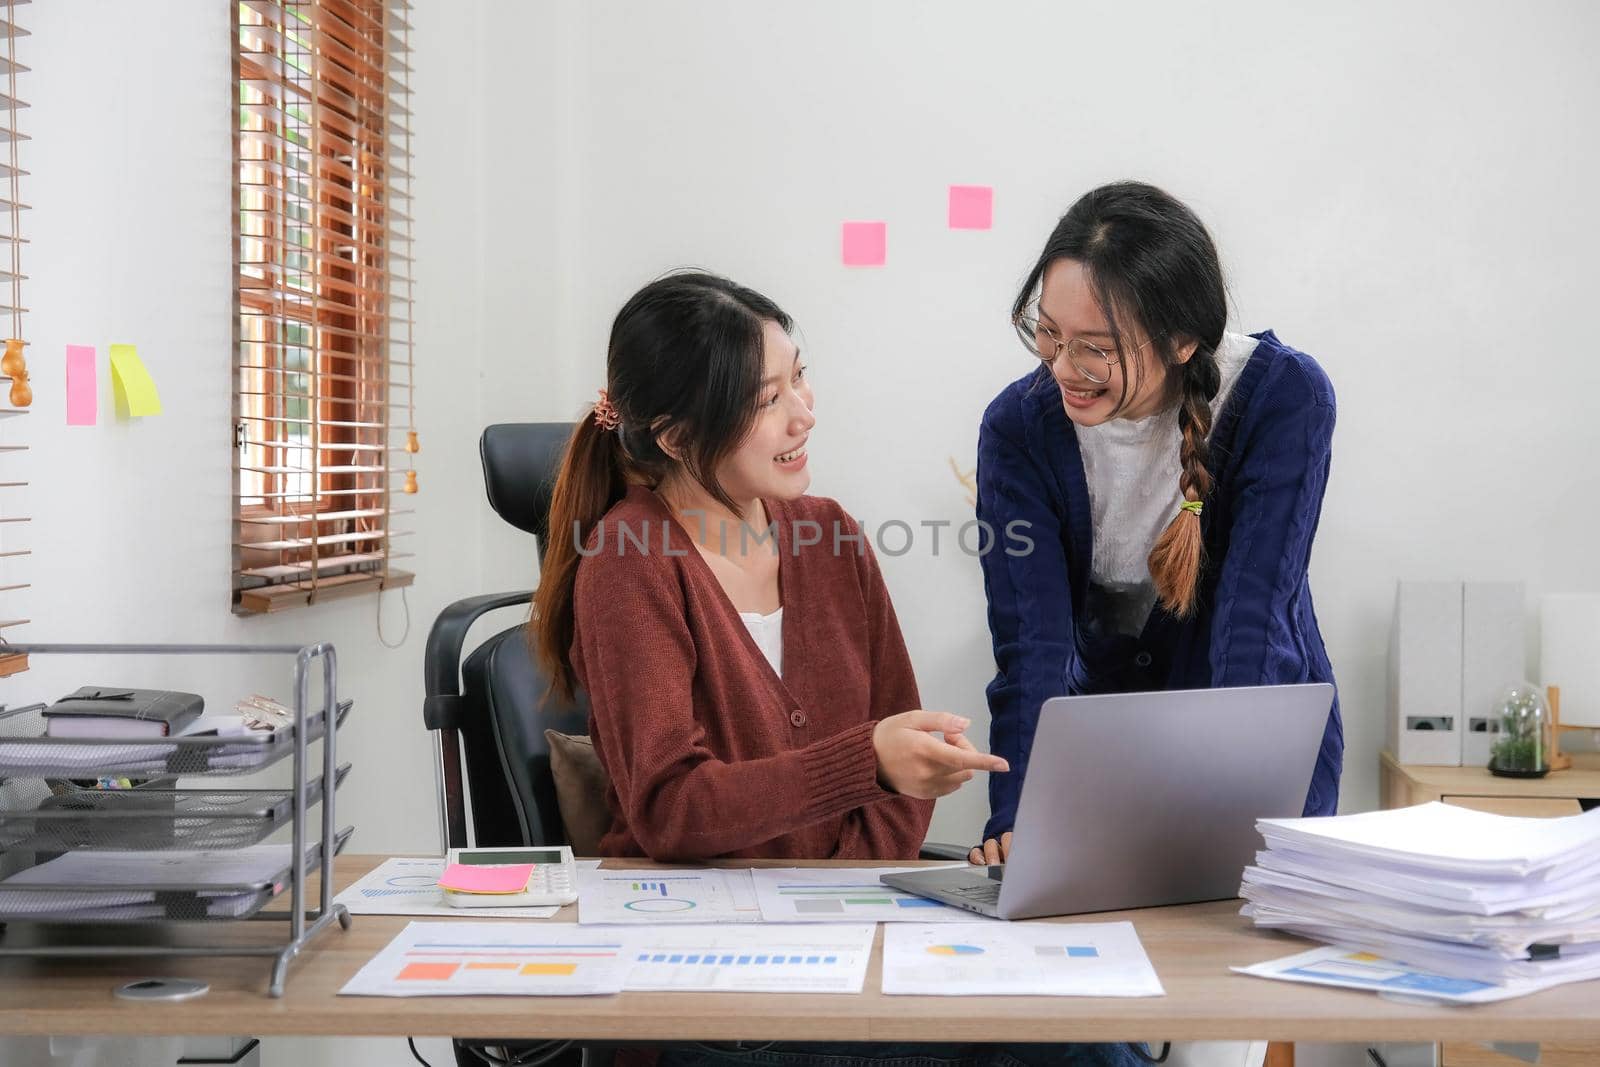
1191, 505
606, 415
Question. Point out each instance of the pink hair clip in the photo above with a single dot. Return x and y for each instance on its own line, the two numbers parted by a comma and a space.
606, 415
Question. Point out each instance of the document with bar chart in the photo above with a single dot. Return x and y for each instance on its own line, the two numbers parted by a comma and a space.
665, 896
447, 959
1018, 959
752, 959
845, 894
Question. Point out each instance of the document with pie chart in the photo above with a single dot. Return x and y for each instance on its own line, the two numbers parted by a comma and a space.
655, 897
1017, 959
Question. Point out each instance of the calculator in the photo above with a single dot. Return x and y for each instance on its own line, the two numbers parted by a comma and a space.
554, 881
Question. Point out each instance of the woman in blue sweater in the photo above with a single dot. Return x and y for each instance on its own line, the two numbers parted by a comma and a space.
1169, 475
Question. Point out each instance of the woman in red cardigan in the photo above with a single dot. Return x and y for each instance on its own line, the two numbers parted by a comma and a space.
750, 692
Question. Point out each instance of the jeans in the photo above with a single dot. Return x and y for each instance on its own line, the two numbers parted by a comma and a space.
885, 1054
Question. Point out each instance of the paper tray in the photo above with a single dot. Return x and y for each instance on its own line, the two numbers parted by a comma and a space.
88, 757
154, 819
78, 903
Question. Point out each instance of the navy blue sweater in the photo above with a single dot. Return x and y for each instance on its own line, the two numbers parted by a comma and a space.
1253, 624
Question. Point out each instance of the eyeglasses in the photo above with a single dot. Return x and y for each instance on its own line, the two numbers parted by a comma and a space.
1092, 361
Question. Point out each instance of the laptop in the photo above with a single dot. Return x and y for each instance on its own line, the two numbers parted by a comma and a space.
1135, 800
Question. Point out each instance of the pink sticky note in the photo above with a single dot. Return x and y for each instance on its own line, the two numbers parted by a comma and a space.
866, 244
466, 878
971, 207
82, 394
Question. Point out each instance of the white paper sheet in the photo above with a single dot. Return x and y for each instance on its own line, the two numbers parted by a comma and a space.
404, 886
215, 869
1441, 838
1575, 962
1511, 934
1555, 898
752, 959
1017, 959
496, 959
659, 896
1362, 970
842, 895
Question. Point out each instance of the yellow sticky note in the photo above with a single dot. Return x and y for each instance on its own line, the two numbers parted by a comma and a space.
135, 390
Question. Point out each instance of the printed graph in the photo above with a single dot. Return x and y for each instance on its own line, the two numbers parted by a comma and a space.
403, 885
845, 895
1370, 970
777, 959
651, 897
847, 899
1018, 959
655, 898
444, 961
955, 950
725, 960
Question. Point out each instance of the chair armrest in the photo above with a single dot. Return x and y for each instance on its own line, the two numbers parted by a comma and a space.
940, 850
441, 658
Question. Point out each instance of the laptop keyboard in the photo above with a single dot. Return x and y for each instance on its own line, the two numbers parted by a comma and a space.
984, 893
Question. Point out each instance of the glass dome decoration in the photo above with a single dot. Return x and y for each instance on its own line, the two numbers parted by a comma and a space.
1523, 747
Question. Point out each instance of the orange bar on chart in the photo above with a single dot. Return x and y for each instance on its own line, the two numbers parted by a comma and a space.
562, 969
428, 972
493, 966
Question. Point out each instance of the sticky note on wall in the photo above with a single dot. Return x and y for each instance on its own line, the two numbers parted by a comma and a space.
971, 207
135, 390
866, 244
82, 386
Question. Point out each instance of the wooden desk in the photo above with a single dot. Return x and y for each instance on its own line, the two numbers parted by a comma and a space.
1191, 947
1558, 793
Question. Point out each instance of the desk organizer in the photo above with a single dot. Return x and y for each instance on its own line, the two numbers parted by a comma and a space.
171, 911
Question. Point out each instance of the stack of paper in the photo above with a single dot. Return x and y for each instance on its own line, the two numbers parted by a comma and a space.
1459, 893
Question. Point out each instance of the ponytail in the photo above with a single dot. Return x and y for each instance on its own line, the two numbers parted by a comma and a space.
1178, 556
590, 482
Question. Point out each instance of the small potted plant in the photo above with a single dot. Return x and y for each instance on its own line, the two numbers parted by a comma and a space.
1523, 750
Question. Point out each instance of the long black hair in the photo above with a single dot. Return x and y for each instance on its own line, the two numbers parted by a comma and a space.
1153, 268
684, 365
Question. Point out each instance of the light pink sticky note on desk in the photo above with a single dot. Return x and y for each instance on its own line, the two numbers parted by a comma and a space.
466, 878
82, 391
971, 207
866, 244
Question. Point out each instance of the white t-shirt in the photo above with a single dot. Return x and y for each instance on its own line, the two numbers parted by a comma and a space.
768, 633
1132, 468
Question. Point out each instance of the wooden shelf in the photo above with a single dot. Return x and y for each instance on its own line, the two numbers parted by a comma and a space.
271, 598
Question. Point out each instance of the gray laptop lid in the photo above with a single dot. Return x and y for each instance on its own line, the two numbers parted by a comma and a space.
1141, 799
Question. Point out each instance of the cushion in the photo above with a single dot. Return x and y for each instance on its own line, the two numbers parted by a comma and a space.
580, 790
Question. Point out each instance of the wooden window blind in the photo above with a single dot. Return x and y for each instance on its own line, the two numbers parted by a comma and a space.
17, 393
323, 378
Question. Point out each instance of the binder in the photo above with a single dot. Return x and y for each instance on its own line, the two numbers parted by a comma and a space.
1425, 673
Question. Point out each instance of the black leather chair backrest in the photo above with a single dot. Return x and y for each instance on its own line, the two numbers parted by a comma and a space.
520, 461
507, 757
499, 709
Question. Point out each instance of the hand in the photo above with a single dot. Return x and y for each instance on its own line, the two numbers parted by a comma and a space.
915, 763
991, 852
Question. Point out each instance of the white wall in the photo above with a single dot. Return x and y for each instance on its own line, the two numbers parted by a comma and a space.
1403, 190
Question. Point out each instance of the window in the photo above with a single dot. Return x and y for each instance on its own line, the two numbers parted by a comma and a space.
15, 393
323, 372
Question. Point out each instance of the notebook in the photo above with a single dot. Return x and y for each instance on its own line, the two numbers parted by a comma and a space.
105, 711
